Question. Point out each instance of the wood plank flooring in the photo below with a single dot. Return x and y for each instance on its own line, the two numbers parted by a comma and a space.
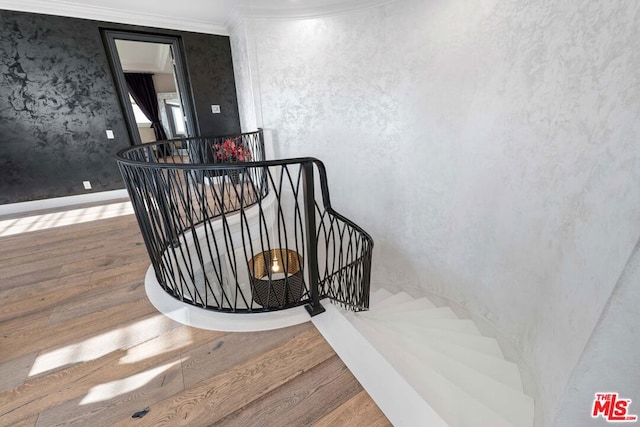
81, 345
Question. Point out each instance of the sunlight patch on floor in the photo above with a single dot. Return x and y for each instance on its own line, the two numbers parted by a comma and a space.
108, 391
177, 338
45, 221
100, 345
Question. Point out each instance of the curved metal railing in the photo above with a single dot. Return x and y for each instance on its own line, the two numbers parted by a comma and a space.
227, 230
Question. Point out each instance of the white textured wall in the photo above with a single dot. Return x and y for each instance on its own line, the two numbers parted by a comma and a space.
491, 148
611, 360
243, 54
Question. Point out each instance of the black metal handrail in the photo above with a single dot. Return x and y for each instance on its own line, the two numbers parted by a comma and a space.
243, 236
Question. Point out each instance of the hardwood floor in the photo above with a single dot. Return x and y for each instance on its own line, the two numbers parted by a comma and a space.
81, 345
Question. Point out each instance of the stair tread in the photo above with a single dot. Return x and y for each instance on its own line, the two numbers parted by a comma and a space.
436, 343
415, 304
377, 376
479, 343
464, 366
494, 403
492, 367
455, 365
434, 313
412, 314
394, 299
377, 296
497, 368
463, 326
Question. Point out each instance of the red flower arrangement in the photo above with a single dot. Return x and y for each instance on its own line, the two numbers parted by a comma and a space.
231, 151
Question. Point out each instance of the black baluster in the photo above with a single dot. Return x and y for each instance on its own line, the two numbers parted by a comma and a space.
314, 307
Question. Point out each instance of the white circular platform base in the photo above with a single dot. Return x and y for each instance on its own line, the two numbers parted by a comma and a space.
216, 321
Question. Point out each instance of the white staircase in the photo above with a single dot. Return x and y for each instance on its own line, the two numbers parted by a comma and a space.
406, 345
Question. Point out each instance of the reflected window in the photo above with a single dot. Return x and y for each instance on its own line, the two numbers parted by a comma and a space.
141, 119
176, 118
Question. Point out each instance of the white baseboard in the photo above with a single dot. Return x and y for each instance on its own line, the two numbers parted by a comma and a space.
62, 202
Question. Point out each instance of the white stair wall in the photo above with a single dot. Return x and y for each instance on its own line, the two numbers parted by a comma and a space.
446, 361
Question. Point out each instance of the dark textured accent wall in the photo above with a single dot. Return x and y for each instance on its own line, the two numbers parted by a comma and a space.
211, 71
57, 99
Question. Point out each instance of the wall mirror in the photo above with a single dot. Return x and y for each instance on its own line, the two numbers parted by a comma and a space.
152, 85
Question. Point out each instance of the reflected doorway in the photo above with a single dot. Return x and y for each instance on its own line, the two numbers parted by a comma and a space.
152, 85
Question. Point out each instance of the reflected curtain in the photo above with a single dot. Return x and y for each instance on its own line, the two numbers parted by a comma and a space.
143, 92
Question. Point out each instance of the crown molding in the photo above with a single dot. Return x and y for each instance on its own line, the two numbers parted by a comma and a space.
247, 10
97, 13
319, 10
238, 11
233, 20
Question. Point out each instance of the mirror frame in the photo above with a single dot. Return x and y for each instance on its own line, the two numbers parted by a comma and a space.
109, 38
